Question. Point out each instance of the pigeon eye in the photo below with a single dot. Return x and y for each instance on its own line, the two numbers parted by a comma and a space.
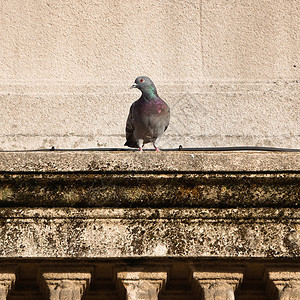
141, 80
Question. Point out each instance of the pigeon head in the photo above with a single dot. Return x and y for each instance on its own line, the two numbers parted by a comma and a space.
145, 85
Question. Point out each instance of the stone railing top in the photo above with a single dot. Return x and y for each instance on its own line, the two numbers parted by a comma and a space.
150, 161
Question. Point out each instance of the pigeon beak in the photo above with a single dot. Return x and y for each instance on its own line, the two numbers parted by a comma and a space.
133, 86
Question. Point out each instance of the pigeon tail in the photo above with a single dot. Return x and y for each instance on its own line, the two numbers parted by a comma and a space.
131, 144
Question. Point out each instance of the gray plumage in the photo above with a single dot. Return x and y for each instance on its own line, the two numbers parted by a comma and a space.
148, 117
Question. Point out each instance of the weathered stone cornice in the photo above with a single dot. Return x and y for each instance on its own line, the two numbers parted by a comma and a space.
127, 204
156, 180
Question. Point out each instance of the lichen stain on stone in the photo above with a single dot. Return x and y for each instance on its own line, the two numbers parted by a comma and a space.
292, 241
6, 194
177, 238
147, 235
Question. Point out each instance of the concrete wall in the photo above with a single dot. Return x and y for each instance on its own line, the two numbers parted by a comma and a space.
228, 69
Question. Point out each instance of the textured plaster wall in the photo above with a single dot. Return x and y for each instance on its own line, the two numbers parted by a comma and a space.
228, 69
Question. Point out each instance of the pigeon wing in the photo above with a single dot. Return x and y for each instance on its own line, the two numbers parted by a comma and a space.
167, 118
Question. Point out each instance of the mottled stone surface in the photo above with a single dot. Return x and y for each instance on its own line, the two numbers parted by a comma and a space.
134, 233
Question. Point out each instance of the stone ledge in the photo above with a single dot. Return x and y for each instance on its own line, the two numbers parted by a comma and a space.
102, 161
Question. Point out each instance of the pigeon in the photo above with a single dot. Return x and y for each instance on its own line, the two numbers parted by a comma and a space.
148, 117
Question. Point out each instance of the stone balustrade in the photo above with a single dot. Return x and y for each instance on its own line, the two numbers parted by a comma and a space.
283, 283
148, 282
